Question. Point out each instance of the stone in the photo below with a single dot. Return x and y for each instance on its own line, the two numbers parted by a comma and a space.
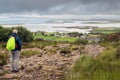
21, 65
1, 72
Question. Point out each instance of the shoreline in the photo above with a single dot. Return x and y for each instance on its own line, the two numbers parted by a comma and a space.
58, 28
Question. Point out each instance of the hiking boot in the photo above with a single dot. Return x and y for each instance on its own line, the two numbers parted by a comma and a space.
12, 71
16, 71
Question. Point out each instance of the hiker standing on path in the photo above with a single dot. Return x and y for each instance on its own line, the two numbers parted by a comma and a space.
15, 54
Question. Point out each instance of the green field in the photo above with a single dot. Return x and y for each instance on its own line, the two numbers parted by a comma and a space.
106, 30
59, 39
46, 37
66, 39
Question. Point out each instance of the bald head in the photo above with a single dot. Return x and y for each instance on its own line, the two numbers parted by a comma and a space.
15, 31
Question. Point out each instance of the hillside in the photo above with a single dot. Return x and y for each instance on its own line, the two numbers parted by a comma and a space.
105, 66
63, 56
49, 66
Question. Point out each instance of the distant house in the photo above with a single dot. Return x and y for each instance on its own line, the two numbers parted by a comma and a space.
83, 37
92, 38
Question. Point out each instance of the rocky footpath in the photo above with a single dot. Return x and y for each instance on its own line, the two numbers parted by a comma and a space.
48, 66
93, 50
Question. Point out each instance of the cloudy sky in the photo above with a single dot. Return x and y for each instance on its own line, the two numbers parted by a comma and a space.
60, 6
26, 10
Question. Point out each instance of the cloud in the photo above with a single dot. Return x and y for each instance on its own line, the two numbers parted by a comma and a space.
60, 6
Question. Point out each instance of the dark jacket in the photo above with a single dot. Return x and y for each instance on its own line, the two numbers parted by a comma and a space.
17, 42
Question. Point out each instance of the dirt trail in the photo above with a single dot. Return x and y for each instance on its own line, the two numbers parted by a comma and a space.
45, 67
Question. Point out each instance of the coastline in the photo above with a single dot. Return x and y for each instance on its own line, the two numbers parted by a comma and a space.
64, 28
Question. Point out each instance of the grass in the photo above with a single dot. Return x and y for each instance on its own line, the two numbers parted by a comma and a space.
106, 30
108, 55
58, 39
75, 47
106, 66
4, 58
46, 37
39, 44
52, 51
28, 53
63, 39
66, 39
65, 51
81, 41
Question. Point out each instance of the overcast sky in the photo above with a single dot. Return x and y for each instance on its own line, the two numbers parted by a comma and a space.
78, 7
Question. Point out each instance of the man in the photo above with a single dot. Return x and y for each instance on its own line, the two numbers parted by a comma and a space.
15, 54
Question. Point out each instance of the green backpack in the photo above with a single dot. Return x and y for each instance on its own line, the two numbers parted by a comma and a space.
10, 44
